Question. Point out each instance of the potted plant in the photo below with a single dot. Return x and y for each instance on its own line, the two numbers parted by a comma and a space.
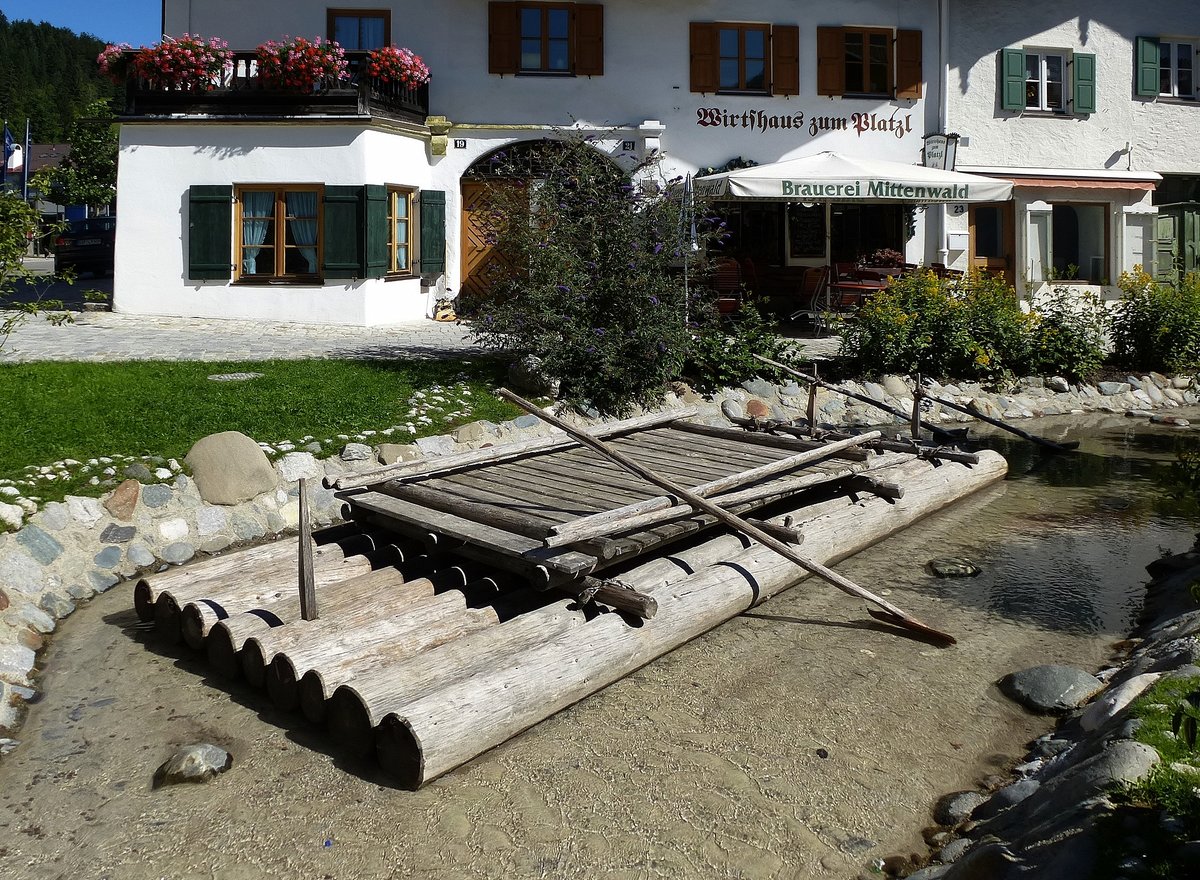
299, 64
392, 64
188, 63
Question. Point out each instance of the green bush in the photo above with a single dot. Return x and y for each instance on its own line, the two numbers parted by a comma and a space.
1157, 326
721, 353
591, 281
969, 328
1067, 334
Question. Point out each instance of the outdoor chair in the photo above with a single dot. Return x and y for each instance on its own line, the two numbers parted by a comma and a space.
727, 282
814, 292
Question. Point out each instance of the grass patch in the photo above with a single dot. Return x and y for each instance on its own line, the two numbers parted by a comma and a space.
58, 411
1161, 811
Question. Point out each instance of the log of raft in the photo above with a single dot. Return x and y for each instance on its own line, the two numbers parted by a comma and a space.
419, 626
436, 731
189, 580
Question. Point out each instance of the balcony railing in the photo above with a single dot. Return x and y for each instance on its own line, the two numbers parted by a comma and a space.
240, 93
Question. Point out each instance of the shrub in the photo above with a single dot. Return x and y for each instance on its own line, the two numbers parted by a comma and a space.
1157, 326
586, 280
587, 274
1068, 334
971, 328
721, 353
301, 65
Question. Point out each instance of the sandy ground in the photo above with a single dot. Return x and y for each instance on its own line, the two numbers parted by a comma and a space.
792, 742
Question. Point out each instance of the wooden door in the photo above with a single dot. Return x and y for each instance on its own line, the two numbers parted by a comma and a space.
481, 260
993, 240
1166, 247
1189, 245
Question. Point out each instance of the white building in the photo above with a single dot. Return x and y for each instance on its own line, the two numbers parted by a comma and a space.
355, 206
1094, 117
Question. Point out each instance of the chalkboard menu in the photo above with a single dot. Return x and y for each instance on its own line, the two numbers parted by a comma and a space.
806, 231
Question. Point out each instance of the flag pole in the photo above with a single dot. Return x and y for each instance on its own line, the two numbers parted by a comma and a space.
25, 157
4, 138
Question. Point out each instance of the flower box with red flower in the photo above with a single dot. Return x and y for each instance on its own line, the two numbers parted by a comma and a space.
301, 65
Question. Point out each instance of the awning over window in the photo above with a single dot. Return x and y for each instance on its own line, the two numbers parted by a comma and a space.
1072, 178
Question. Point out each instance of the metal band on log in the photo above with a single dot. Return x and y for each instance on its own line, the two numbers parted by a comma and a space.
440, 730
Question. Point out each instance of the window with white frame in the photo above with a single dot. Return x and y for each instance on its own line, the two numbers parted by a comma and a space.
1045, 81
1176, 63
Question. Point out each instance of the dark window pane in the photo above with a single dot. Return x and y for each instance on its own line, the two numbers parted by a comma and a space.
371, 36
1033, 95
756, 74
1054, 95
531, 54
854, 48
987, 232
345, 31
1033, 66
557, 26
730, 74
558, 55
729, 43
531, 23
294, 262
1054, 68
879, 79
756, 44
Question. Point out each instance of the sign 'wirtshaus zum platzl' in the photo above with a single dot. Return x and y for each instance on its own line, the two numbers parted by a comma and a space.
757, 120
875, 189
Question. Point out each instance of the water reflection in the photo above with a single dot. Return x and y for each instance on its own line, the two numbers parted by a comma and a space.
1066, 545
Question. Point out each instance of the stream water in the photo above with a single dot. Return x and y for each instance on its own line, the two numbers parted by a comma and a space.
794, 741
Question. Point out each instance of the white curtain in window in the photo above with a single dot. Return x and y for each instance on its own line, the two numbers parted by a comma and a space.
302, 213
257, 208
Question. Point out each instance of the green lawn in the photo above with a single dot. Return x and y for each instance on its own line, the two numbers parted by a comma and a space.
56, 411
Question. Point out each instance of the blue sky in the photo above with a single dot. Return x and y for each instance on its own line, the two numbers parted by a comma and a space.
116, 21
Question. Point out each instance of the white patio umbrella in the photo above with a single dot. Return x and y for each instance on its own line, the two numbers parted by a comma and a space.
833, 177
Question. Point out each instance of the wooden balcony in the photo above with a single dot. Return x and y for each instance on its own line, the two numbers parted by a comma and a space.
239, 94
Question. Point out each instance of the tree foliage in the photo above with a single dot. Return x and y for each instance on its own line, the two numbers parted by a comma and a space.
88, 176
19, 223
49, 76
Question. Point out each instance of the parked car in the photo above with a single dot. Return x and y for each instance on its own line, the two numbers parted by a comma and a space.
86, 246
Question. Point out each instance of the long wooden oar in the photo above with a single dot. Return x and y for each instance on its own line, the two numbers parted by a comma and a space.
948, 433
1024, 435
891, 614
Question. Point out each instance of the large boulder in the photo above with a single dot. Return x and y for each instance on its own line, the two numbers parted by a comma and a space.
1050, 689
230, 468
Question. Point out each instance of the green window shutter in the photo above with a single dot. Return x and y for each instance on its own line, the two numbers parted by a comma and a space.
343, 250
376, 228
210, 233
1145, 67
1012, 79
433, 231
1083, 82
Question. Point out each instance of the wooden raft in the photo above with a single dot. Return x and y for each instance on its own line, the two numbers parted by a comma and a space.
518, 514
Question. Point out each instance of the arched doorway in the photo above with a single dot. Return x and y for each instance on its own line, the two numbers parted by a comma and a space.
513, 164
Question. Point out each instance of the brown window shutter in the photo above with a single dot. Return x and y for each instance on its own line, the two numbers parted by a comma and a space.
504, 38
589, 39
704, 57
909, 73
785, 59
831, 61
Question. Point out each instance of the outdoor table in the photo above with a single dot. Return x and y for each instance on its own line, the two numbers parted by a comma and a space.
855, 291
